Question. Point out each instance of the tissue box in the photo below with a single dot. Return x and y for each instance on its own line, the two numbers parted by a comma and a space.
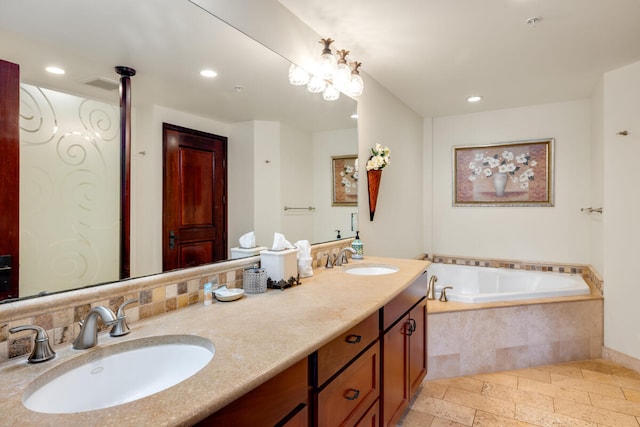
280, 265
245, 252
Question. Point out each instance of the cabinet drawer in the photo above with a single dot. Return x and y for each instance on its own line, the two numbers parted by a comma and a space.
269, 403
398, 306
348, 397
333, 356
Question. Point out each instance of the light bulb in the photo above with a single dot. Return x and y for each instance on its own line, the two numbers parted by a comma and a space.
328, 62
298, 76
316, 84
356, 85
331, 93
343, 72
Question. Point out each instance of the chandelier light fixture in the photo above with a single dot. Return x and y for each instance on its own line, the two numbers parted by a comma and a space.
331, 74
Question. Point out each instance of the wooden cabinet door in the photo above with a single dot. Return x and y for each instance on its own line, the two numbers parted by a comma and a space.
394, 378
417, 346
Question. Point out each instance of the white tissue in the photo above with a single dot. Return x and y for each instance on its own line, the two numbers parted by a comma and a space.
247, 240
280, 243
305, 261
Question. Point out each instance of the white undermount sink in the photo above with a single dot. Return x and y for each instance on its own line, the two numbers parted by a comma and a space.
118, 374
370, 269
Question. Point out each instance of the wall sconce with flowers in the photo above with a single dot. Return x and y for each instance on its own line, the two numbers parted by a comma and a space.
380, 157
331, 75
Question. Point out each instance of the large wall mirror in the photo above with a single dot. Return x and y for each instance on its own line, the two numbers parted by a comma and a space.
281, 138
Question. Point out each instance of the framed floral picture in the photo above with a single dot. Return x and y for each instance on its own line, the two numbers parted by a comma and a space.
504, 174
344, 180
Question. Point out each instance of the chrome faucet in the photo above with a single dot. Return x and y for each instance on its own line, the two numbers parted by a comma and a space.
88, 336
121, 328
342, 256
431, 288
41, 348
329, 263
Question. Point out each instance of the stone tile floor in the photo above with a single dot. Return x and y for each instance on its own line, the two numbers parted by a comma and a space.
592, 393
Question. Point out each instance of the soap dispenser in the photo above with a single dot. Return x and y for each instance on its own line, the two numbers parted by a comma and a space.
358, 247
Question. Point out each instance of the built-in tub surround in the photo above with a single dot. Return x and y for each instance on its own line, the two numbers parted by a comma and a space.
467, 339
59, 314
255, 338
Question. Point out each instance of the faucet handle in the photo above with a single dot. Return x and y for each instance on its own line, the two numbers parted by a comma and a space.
329, 263
120, 327
41, 348
443, 293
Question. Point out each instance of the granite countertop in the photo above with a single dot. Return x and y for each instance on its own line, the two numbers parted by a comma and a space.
255, 338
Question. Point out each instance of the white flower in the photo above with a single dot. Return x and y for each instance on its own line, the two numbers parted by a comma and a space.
477, 170
349, 169
380, 157
492, 162
522, 158
487, 172
533, 163
342, 173
507, 155
524, 185
510, 167
472, 178
472, 165
503, 169
478, 157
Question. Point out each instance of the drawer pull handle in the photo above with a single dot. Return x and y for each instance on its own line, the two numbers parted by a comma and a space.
412, 327
353, 339
352, 394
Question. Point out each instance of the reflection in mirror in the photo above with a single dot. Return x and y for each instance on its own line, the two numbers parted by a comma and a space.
280, 137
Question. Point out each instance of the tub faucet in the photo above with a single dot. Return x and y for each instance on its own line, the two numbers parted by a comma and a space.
443, 294
342, 256
431, 288
88, 336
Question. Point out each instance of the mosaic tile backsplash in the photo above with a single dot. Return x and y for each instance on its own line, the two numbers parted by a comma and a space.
59, 314
586, 271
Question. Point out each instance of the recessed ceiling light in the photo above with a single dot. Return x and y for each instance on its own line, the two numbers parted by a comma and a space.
208, 73
55, 70
474, 98
534, 20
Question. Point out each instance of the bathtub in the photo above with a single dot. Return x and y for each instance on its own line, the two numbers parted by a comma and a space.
485, 284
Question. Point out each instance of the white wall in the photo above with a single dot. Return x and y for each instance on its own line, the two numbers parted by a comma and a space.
297, 183
621, 207
397, 229
240, 174
327, 219
597, 178
553, 234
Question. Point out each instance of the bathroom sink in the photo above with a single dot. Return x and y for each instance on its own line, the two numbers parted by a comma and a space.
118, 374
370, 269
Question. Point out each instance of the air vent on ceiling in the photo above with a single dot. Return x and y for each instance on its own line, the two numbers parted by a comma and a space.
102, 83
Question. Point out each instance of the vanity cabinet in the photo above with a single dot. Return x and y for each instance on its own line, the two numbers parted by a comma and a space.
404, 343
345, 377
281, 401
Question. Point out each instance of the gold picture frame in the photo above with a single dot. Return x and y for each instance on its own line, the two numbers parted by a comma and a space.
344, 180
505, 174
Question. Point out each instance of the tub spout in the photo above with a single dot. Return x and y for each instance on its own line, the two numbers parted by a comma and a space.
431, 291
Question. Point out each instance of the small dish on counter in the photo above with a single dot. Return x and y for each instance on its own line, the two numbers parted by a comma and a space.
225, 294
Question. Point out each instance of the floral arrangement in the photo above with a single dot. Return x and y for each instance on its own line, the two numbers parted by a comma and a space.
520, 167
380, 157
349, 177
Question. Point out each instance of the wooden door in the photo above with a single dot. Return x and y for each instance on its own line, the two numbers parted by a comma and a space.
194, 199
9, 178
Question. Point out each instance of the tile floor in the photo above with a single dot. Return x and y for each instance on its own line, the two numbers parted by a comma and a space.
593, 393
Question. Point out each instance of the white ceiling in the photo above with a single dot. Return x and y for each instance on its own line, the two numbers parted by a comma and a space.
433, 54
